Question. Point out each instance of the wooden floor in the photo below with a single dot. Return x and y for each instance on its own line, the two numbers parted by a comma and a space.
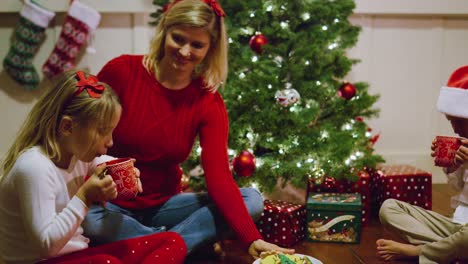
331, 253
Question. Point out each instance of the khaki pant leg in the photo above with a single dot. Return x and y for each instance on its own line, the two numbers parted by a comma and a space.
447, 249
415, 224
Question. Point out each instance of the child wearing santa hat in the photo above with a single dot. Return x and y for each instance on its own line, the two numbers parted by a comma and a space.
434, 238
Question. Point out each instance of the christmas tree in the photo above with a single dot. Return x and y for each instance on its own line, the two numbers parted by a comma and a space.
292, 115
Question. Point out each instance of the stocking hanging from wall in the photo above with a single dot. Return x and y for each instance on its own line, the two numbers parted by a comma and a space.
77, 30
28, 36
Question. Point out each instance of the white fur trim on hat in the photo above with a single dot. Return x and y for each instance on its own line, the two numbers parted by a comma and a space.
36, 14
85, 14
453, 101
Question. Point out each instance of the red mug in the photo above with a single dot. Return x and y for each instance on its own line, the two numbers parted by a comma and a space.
123, 173
445, 150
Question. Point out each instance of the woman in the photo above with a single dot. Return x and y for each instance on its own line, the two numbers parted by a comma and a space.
170, 97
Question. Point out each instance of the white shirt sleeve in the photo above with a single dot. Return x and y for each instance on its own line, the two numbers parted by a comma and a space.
455, 179
41, 186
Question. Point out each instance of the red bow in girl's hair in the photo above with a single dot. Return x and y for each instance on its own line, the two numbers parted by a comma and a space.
216, 7
90, 84
212, 3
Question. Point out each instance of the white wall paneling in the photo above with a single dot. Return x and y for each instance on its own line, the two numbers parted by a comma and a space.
406, 59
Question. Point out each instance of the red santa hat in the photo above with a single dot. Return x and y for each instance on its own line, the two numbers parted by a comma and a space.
453, 98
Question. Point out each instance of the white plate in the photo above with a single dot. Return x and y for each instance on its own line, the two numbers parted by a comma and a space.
314, 260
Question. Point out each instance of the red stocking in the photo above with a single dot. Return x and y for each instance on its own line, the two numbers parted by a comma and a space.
80, 22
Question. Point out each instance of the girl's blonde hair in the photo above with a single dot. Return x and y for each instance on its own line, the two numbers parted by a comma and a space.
41, 125
193, 13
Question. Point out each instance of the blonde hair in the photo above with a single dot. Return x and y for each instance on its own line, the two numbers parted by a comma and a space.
193, 13
41, 125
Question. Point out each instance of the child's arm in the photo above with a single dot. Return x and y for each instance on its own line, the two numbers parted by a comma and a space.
455, 179
42, 189
39, 191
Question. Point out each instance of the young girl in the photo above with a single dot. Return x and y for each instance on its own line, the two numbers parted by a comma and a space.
43, 195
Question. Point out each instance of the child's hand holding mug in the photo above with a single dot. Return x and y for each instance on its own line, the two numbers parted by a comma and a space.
99, 187
462, 153
125, 176
449, 152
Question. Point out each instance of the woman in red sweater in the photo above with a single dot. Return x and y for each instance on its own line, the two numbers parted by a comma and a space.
170, 98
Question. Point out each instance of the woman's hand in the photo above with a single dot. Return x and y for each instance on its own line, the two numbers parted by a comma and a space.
260, 245
98, 188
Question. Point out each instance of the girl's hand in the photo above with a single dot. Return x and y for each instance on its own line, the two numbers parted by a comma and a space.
259, 246
140, 186
98, 188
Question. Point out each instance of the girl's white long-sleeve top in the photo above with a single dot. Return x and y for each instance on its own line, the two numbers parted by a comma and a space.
40, 216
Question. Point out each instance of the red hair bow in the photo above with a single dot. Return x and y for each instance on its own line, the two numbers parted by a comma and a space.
90, 84
216, 7
212, 3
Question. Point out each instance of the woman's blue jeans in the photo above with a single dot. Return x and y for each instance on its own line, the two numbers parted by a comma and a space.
193, 215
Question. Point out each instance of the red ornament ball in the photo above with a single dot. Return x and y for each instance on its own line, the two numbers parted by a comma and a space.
244, 164
347, 91
257, 41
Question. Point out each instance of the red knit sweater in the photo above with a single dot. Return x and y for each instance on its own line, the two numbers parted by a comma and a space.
158, 128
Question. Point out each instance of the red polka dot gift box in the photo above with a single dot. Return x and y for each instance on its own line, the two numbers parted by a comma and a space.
405, 183
282, 223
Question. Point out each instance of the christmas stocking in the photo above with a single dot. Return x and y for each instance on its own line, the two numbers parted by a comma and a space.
28, 35
79, 24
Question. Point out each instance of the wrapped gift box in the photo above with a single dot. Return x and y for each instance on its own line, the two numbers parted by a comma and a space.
405, 183
362, 186
334, 217
282, 223
375, 195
